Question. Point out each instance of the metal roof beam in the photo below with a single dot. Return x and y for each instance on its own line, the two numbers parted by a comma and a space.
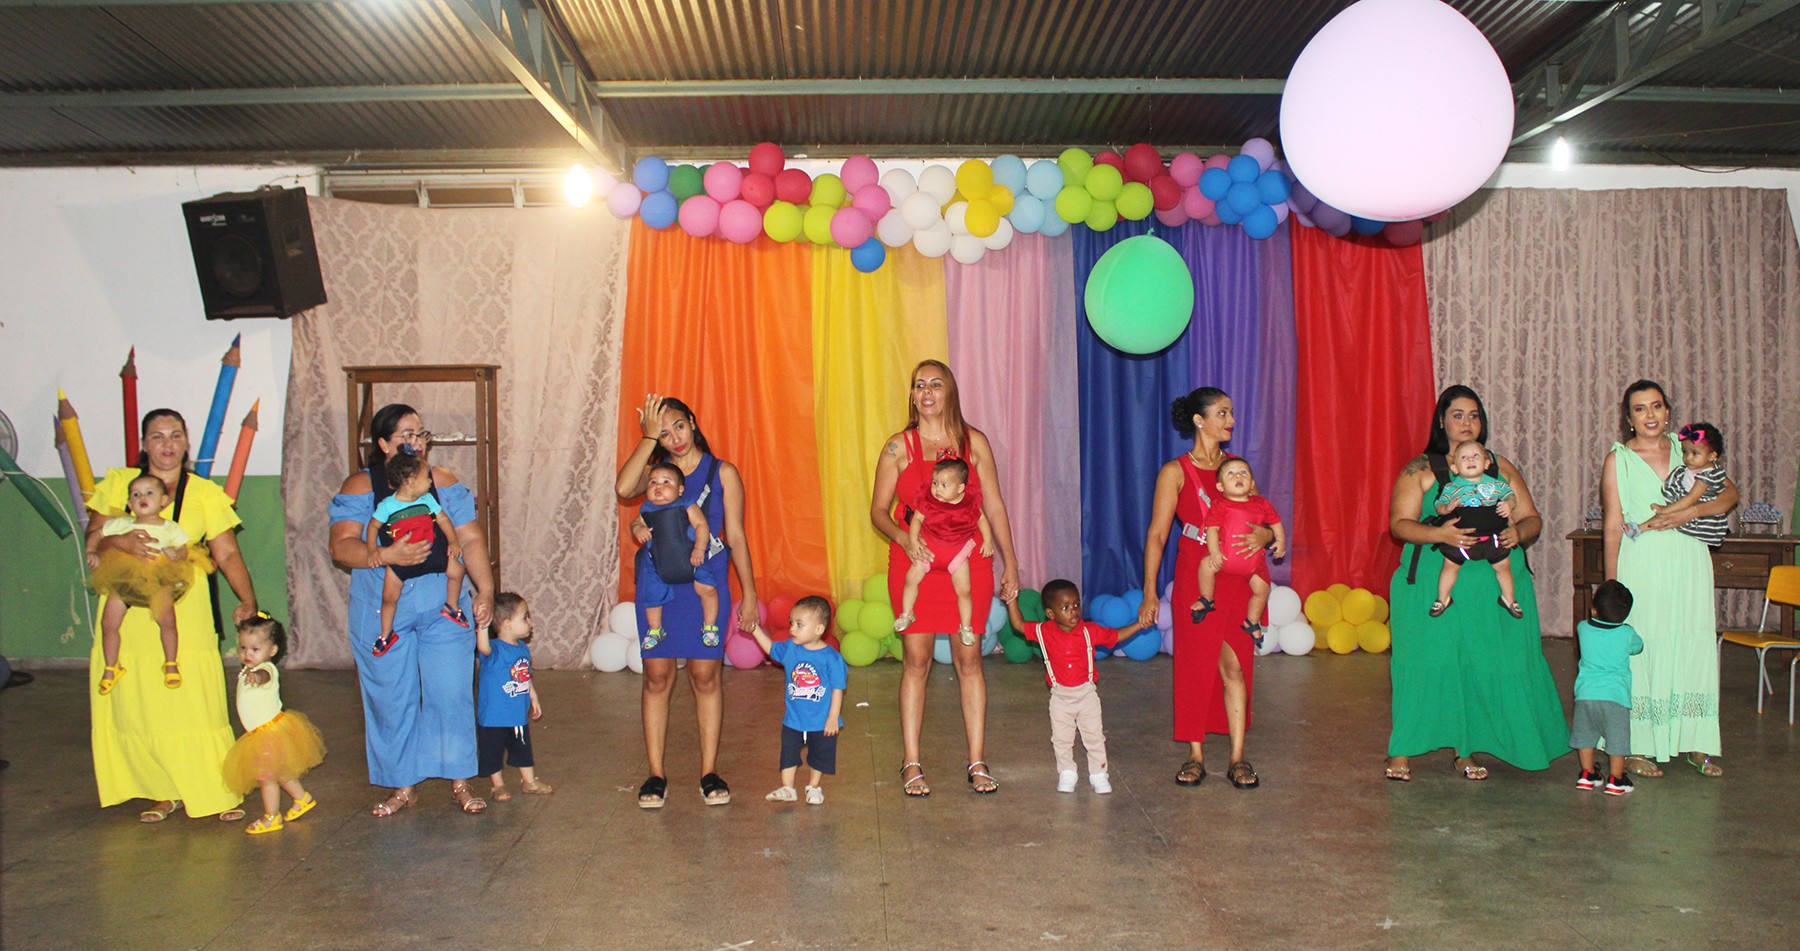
270, 96
76, 4
1635, 34
936, 87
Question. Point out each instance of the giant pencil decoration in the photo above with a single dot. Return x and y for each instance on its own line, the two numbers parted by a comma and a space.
36, 494
128, 387
68, 467
241, 458
71, 427
215, 417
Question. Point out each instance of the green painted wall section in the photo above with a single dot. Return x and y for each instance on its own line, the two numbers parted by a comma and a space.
45, 605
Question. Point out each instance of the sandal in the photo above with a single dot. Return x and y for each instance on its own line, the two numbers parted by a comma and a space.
709, 635
903, 622
500, 793
231, 815
384, 643
1512, 607
301, 807
981, 780
536, 787
915, 786
1255, 631
158, 811
1192, 773
109, 678
784, 794
1439, 607
1642, 766
1201, 609
270, 822
1399, 774
652, 637
463, 795
453, 613
815, 796
1243, 775
652, 793
966, 634
714, 790
171, 678
1473, 771
394, 803
1706, 766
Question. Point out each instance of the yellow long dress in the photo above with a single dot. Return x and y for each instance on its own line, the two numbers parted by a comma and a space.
151, 742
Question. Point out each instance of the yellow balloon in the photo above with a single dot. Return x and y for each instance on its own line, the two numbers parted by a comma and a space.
817, 224
1381, 610
1102, 216
1002, 199
1373, 636
1135, 201
1359, 606
827, 192
974, 179
981, 219
1104, 182
1323, 609
1339, 590
1341, 637
1073, 204
783, 221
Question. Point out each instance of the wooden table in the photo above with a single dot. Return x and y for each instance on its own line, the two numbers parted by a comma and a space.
1741, 562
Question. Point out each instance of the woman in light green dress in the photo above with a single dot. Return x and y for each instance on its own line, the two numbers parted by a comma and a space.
1675, 681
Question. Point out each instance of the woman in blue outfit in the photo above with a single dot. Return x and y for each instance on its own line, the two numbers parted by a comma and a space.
418, 701
672, 434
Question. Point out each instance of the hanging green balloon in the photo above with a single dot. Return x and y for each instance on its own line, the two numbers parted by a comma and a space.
684, 182
1140, 295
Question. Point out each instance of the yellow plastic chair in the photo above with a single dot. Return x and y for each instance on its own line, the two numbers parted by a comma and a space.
1783, 588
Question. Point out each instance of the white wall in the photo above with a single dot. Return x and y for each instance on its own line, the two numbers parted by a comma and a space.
94, 261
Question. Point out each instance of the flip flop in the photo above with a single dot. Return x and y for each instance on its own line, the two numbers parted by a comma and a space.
156, 813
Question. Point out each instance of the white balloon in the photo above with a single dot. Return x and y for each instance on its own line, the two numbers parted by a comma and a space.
1284, 605
919, 210
893, 230
967, 249
933, 242
635, 659
957, 217
938, 182
899, 183
609, 652
1001, 237
623, 619
1297, 638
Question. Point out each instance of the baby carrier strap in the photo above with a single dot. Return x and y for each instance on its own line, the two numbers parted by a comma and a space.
669, 544
1440, 468
437, 561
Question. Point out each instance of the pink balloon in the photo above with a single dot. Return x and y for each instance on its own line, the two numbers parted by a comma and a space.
1196, 205
723, 181
858, 172
871, 200
766, 159
741, 650
793, 186
758, 189
850, 228
740, 222
1214, 161
1402, 234
1345, 110
1185, 169
623, 200
1173, 217
699, 216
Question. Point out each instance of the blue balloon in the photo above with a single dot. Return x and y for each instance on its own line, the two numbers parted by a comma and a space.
658, 210
1143, 645
1115, 613
1272, 187
1102, 653
1044, 179
1009, 170
1242, 198
1214, 183
1093, 607
869, 256
1133, 599
1244, 168
1053, 227
651, 174
1027, 215
1227, 216
940, 649
1261, 222
1365, 225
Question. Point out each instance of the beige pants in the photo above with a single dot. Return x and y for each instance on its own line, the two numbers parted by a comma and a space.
1077, 710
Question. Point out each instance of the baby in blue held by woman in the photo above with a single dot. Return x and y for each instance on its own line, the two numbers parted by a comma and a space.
680, 544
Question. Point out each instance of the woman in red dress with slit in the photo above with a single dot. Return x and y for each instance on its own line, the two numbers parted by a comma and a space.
935, 430
1213, 658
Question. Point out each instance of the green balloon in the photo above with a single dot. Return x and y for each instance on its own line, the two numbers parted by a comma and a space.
1073, 203
1075, 165
1140, 295
896, 647
875, 618
1104, 183
875, 588
849, 616
816, 225
1031, 604
1018, 650
859, 650
1135, 201
684, 182
1103, 215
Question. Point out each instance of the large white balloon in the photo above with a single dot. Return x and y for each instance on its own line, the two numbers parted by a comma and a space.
899, 183
1297, 637
1001, 237
957, 217
1396, 110
919, 210
1284, 605
635, 659
933, 242
967, 249
623, 619
938, 182
893, 230
609, 652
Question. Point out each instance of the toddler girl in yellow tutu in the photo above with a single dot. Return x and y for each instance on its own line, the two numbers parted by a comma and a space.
153, 583
278, 746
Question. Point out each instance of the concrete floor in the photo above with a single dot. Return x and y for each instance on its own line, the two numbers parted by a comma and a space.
1326, 854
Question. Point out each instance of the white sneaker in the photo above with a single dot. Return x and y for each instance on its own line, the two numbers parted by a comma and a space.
1065, 781
815, 796
1101, 782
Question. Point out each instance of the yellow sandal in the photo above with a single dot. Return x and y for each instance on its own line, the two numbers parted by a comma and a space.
171, 678
108, 683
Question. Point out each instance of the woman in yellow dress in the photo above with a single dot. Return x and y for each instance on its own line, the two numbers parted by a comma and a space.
151, 742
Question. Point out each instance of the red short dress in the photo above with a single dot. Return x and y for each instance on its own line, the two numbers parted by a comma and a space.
935, 610
1198, 689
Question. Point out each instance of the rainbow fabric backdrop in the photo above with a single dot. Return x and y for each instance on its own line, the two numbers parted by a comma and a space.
798, 366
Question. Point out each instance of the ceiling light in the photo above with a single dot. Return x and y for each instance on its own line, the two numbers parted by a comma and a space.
1562, 154
578, 186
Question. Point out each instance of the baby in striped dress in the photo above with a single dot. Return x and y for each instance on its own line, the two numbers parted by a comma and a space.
1700, 478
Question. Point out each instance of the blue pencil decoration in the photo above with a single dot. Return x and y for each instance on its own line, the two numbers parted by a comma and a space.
215, 417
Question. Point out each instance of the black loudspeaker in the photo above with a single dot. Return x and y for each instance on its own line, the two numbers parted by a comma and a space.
254, 253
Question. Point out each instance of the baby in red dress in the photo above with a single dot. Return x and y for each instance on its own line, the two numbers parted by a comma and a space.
1230, 516
948, 518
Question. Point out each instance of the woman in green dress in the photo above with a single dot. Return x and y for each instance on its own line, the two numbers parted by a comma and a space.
1675, 681
1473, 679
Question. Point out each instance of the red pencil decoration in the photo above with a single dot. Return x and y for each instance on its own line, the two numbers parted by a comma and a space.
241, 457
128, 384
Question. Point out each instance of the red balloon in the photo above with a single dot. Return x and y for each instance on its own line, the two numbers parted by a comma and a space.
758, 189
1403, 234
1109, 157
1142, 163
780, 607
1165, 193
793, 185
766, 159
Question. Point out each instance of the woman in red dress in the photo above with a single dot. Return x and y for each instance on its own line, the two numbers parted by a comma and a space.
935, 430
1213, 659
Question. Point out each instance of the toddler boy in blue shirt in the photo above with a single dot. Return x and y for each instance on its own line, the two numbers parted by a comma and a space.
815, 678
